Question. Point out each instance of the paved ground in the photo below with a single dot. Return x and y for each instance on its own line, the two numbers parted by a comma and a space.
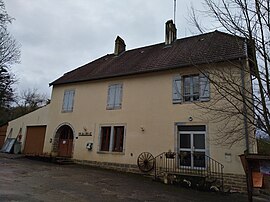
28, 180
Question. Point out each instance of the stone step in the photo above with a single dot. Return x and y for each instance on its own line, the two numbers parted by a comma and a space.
64, 161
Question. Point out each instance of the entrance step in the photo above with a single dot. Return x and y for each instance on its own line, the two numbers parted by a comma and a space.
64, 161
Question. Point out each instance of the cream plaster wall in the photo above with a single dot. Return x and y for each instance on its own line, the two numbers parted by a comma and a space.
38, 117
147, 103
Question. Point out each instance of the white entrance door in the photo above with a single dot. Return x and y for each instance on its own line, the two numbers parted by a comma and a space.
192, 146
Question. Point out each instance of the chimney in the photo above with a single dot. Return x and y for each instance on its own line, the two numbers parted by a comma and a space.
170, 32
120, 46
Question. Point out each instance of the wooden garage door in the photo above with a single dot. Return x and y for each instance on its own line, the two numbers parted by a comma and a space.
34, 142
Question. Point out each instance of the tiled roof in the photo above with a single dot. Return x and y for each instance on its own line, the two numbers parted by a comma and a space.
205, 48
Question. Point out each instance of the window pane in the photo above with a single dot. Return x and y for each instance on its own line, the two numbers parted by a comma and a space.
196, 87
199, 159
118, 138
105, 138
199, 141
192, 128
187, 98
185, 158
185, 141
186, 85
187, 88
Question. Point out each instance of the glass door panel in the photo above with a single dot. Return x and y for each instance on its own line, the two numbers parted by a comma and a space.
185, 158
192, 149
185, 142
199, 141
199, 159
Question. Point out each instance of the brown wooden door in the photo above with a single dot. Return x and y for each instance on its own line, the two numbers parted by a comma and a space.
65, 143
34, 141
65, 147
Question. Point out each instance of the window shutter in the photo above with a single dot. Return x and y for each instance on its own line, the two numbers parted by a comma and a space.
65, 101
177, 90
71, 100
204, 87
118, 95
111, 97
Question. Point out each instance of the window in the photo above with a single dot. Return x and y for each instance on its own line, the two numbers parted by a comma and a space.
112, 138
68, 101
191, 88
114, 100
105, 138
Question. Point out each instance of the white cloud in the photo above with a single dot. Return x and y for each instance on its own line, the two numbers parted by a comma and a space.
57, 36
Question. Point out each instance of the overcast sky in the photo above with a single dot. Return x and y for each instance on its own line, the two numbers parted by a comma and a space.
57, 36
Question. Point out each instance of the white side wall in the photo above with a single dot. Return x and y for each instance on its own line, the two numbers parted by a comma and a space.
38, 117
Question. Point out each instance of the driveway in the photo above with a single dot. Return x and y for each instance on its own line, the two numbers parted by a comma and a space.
27, 180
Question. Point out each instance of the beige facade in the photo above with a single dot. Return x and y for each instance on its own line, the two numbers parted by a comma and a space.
148, 114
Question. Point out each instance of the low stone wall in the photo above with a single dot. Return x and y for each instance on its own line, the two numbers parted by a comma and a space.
114, 166
235, 182
232, 182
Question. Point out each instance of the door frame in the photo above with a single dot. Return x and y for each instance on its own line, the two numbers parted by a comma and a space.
177, 138
56, 138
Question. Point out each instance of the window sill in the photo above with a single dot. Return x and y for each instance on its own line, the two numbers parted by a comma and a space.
110, 152
189, 102
115, 108
66, 111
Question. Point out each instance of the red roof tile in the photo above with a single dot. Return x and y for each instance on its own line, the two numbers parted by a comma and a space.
205, 48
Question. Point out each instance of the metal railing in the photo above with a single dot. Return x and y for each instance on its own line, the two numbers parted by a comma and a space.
204, 167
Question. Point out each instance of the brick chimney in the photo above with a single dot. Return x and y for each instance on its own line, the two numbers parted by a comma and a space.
170, 32
120, 46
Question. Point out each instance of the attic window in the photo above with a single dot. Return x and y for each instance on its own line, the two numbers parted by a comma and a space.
142, 51
201, 39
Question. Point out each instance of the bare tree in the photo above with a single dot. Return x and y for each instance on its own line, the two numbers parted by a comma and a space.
236, 101
31, 99
9, 54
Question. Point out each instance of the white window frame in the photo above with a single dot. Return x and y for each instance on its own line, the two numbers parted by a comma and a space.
178, 88
111, 139
68, 100
114, 102
191, 95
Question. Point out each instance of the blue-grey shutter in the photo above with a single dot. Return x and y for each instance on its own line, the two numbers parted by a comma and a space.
118, 96
71, 100
111, 97
177, 90
204, 87
65, 101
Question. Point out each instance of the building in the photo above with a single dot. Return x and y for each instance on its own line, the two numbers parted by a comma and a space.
112, 109
3, 130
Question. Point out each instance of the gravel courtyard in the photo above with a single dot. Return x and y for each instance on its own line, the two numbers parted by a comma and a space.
27, 180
